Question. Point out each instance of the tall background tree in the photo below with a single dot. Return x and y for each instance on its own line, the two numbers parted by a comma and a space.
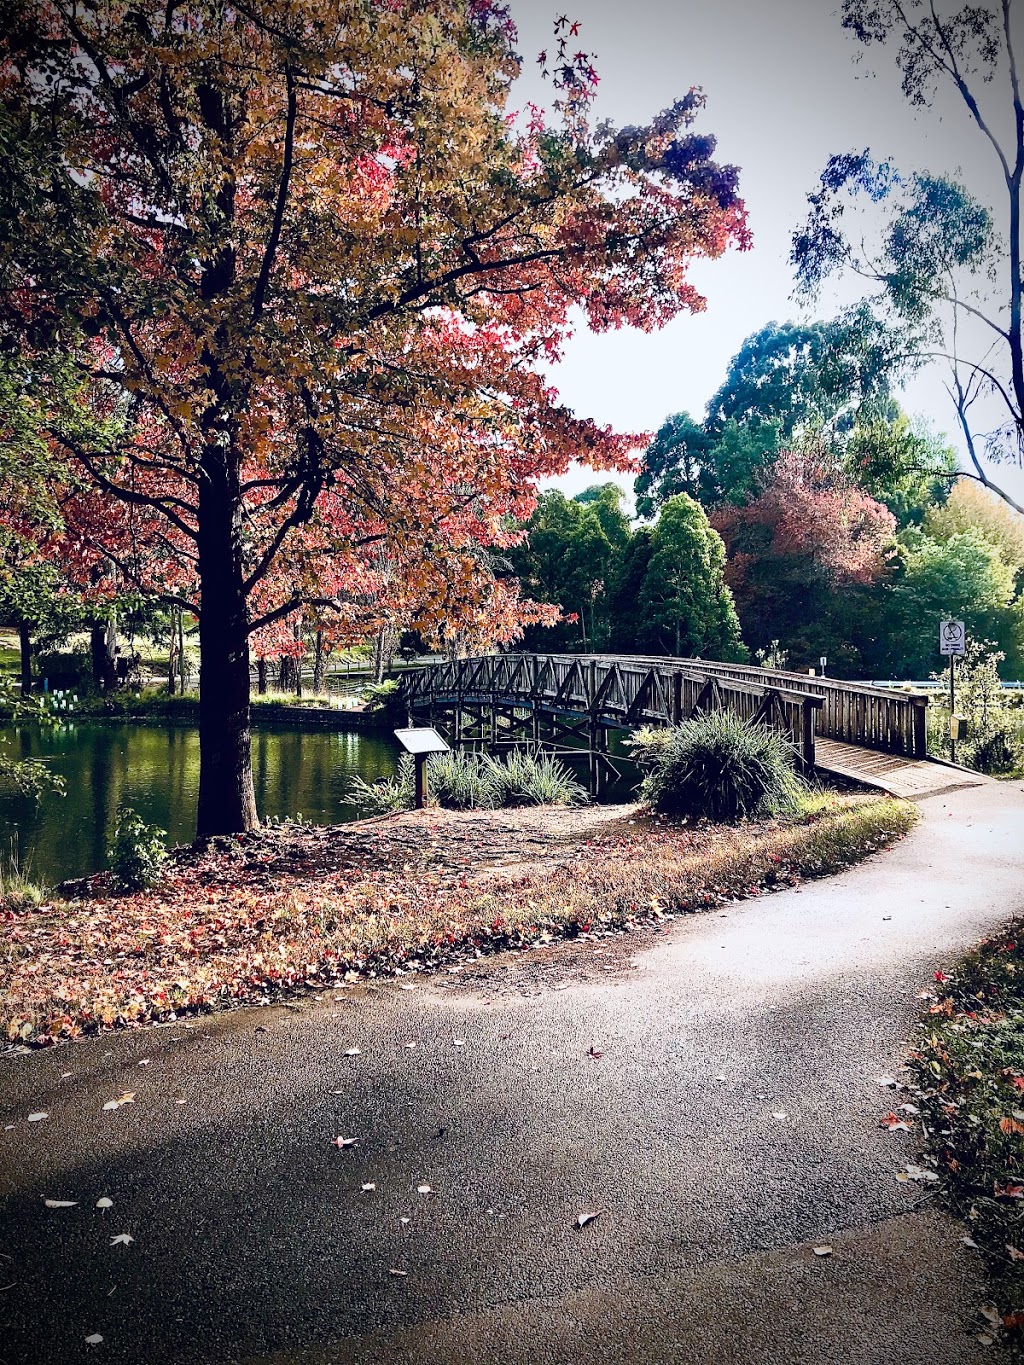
305, 259
946, 269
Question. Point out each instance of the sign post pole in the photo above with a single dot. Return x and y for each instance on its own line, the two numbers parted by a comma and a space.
952, 641
952, 707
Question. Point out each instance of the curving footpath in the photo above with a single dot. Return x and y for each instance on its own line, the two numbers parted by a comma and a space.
728, 1125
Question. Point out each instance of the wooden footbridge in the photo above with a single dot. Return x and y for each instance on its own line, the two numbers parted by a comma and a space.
575, 701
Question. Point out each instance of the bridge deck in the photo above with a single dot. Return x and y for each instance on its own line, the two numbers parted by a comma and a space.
892, 773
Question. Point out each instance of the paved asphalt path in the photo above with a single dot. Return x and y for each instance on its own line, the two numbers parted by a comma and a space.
255, 1240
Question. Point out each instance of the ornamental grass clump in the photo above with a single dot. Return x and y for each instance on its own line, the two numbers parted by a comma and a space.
469, 781
722, 768
462, 781
386, 796
524, 779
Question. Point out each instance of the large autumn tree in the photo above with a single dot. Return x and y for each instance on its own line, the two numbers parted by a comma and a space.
305, 254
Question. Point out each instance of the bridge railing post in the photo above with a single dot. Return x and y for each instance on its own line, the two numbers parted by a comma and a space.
808, 709
920, 739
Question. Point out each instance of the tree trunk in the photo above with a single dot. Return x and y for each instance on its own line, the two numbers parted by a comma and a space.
172, 652
25, 640
103, 641
261, 677
319, 659
227, 802
384, 652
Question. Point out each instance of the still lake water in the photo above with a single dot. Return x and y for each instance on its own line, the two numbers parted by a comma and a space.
155, 769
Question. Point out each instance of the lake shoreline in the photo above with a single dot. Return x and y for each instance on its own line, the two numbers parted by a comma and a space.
185, 711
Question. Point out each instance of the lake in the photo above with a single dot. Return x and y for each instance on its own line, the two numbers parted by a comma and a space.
155, 769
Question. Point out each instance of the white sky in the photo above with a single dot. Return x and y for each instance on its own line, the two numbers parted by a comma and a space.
784, 93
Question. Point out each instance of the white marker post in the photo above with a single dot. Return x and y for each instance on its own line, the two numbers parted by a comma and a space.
952, 641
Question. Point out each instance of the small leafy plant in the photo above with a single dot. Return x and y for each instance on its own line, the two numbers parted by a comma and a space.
722, 768
138, 852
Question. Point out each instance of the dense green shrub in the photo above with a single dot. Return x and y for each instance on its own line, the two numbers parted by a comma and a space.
722, 768
384, 698
138, 852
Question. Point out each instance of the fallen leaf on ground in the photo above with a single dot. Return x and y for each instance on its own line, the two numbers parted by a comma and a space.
780, 1114
919, 1173
885, 1080
104, 1203
340, 1141
125, 1097
1008, 1191
93, 1340
368, 1187
1014, 1253
424, 1189
352, 1052
823, 1251
60, 1203
36, 1118
401, 1273
582, 1219
894, 1123
459, 1042
122, 1239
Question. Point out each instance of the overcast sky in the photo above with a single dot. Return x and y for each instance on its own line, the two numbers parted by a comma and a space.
784, 93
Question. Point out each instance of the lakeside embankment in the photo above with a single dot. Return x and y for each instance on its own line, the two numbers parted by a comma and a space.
246, 918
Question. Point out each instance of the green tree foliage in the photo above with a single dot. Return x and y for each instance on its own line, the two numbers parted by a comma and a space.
971, 506
39, 605
787, 378
905, 468
656, 589
567, 559
965, 577
684, 606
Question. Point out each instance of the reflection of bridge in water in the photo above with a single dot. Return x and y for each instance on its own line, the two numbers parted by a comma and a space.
871, 734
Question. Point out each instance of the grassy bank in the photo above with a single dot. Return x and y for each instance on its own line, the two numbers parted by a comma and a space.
969, 1067
291, 909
